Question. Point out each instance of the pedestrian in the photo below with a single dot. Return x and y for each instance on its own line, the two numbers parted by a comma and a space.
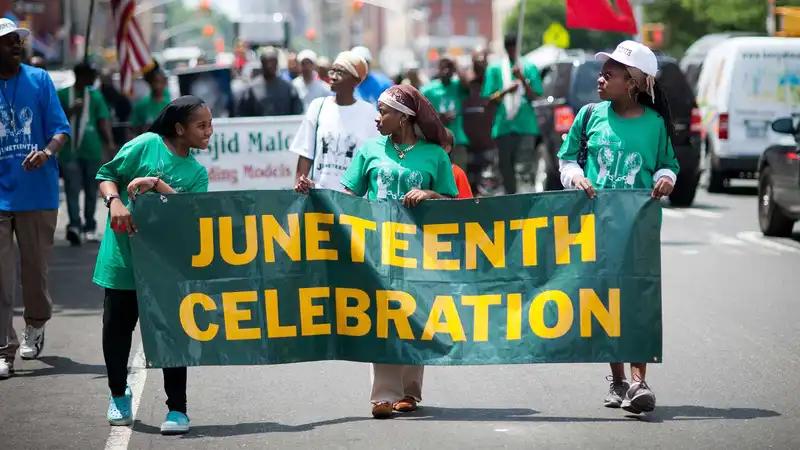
308, 85
148, 108
516, 83
161, 161
401, 166
460, 177
120, 108
270, 94
628, 140
33, 129
334, 128
375, 84
479, 114
447, 93
93, 143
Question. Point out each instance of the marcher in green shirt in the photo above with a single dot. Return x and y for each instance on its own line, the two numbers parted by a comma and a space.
515, 125
447, 93
147, 109
159, 161
628, 146
91, 143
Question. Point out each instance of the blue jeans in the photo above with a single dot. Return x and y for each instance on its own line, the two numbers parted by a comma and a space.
79, 175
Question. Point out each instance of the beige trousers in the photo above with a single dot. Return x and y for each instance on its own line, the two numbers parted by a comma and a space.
391, 382
35, 231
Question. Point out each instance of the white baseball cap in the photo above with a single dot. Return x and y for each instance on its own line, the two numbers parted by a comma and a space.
363, 52
8, 27
307, 55
632, 54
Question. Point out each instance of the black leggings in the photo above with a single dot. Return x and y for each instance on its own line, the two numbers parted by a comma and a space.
120, 314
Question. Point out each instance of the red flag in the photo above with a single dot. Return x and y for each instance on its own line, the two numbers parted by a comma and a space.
601, 15
133, 53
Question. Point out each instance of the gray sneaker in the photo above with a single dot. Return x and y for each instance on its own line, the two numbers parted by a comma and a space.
639, 398
616, 390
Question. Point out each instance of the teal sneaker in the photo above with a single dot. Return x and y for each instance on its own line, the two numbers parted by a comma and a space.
119, 409
175, 423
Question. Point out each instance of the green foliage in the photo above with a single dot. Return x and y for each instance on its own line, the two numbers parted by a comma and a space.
539, 14
177, 14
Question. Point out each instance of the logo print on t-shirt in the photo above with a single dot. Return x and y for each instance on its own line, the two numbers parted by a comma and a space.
15, 141
616, 167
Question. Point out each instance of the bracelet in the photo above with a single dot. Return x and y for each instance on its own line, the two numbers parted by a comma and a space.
156, 183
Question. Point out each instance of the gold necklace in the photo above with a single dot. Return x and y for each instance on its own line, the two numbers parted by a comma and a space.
400, 152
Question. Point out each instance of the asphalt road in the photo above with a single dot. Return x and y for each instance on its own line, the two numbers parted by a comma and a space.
730, 379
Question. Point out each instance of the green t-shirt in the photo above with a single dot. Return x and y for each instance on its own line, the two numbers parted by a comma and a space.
144, 156
377, 171
91, 145
525, 121
448, 98
622, 152
146, 110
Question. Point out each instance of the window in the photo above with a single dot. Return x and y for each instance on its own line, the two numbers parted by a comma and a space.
473, 28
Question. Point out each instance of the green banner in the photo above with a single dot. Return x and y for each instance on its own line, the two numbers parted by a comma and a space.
273, 277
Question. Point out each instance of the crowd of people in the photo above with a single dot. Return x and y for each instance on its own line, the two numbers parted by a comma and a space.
405, 143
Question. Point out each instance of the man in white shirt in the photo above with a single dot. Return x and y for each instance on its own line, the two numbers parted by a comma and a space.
309, 86
334, 128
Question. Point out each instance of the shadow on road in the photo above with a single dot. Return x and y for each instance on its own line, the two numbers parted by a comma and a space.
745, 191
690, 412
244, 429
59, 365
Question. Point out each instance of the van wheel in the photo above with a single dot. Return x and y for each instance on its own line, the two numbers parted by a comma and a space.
715, 179
770, 217
685, 190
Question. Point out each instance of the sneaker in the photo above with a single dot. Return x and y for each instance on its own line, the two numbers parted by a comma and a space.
382, 410
407, 404
6, 368
120, 412
616, 390
32, 342
74, 236
175, 423
91, 236
639, 398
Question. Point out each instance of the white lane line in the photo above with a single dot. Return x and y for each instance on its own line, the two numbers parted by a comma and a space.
119, 437
690, 252
754, 237
672, 213
703, 213
721, 239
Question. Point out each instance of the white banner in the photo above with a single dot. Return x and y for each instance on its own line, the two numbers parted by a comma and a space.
251, 154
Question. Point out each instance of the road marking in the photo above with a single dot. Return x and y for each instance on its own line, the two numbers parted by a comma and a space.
119, 437
718, 238
690, 252
703, 213
754, 237
672, 213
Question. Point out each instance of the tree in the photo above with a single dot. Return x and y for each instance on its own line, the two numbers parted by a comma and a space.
539, 14
686, 21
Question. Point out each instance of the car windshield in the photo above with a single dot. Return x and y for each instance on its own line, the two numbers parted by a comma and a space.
584, 84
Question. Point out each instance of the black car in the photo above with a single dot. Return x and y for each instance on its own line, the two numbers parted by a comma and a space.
779, 182
571, 83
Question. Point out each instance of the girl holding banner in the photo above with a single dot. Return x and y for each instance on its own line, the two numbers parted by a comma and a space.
334, 128
407, 163
623, 142
160, 161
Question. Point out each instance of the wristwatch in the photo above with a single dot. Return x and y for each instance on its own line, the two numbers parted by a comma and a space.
109, 199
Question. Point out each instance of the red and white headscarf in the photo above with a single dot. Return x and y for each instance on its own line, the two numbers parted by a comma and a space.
409, 101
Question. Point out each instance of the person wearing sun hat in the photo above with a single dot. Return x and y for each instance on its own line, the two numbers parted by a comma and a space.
628, 146
33, 128
308, 84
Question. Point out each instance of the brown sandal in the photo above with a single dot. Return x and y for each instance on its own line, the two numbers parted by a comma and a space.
407, 404
382, 410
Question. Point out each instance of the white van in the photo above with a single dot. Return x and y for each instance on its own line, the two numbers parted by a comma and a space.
745, 84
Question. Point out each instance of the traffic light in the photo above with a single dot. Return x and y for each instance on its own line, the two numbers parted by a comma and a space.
357, 5
653, 34
208, 30
205, 6
788, 21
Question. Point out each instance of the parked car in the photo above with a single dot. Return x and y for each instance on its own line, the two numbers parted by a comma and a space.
779, 181
745, 84
571, 83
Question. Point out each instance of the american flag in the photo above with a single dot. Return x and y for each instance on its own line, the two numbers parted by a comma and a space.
132, 52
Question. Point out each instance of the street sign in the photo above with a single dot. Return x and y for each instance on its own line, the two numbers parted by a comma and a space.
556, 35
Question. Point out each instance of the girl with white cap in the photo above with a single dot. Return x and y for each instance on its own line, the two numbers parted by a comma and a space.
626, 144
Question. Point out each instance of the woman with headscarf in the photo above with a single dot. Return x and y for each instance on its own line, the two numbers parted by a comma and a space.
159, 161
624, 142
407, 163
334, 128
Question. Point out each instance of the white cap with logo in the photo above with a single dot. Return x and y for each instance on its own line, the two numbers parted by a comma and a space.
633, 54
7, 27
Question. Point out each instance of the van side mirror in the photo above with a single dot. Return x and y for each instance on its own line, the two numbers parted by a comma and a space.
784, 125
